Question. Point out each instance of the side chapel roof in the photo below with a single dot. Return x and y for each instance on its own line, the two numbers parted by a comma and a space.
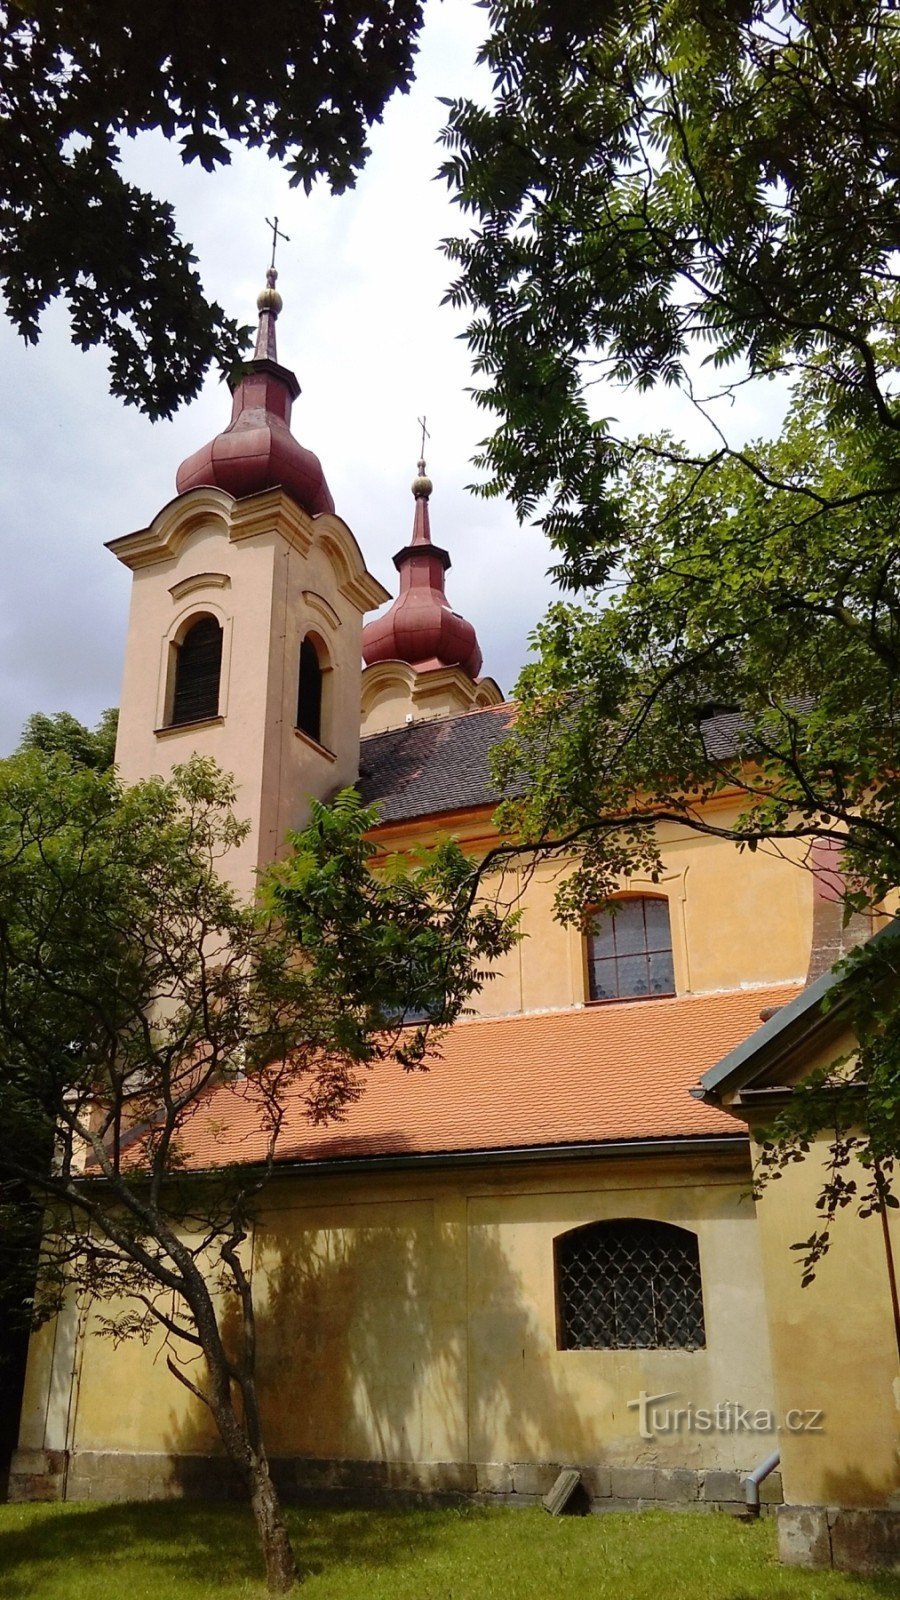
567, 1079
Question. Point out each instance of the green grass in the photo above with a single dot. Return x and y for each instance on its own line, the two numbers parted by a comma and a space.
180, 1551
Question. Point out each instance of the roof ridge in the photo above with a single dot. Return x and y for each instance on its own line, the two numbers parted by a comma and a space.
427, 722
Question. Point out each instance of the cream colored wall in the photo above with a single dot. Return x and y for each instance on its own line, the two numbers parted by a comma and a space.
270, 574
834, 1344
412, 1318
738, 920
393, 694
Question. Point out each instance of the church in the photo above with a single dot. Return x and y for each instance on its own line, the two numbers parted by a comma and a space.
543, 1252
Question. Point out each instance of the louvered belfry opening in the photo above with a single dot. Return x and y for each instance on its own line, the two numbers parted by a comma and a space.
629, 1285
198, 669
309, 692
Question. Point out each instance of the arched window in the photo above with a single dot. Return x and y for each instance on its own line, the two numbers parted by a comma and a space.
198, 667
629, 1285
309, 691
629, 950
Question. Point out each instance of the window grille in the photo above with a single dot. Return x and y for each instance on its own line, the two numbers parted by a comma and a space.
198, 668
309, 692
629, 951
629, 1285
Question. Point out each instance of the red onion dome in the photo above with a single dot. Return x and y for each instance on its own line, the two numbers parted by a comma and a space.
257, 450
420, 627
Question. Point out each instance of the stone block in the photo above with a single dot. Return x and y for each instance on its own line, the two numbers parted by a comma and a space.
675, 1483
534, 1478
803, 1537
771, 1492
597, 1481
493, 1477
633, 1483
865, 1539
37, 1475
365, 1475
722, 1486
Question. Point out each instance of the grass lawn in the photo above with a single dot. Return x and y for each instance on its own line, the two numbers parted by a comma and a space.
179, 1551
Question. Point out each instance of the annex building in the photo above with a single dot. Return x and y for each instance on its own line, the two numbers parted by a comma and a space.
543, 1252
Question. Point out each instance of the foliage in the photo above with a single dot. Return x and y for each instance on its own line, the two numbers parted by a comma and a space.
133, 984
651, 181
305, 81
655, 191
64, 734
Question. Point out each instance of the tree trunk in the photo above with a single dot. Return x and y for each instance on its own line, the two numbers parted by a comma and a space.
281, 1568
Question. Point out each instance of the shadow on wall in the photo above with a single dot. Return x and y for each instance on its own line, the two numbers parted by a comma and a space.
366, 1322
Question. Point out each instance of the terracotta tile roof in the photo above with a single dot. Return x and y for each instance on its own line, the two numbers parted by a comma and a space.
600, 1073
444, 764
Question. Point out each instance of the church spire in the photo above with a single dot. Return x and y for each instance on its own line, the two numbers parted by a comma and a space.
420, 627
257, 450
268, 304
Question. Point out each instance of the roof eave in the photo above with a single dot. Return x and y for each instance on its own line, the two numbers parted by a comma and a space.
795, 1024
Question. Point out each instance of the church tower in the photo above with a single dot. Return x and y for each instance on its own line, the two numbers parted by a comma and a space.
244, 635
422, 658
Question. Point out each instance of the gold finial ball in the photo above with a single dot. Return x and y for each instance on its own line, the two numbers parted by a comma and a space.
422, 485
270, 299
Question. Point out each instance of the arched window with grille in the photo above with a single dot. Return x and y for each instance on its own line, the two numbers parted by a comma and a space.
198, 669
309, 691
629, 950
629, 1284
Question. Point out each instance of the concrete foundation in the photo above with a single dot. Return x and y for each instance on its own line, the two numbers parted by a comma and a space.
861, 1539
88, 1475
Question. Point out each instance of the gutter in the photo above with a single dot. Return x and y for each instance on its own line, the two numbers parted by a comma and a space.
710, 1144
716, 1145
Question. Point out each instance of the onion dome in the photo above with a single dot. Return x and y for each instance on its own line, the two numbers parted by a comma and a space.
257, 450
420, 627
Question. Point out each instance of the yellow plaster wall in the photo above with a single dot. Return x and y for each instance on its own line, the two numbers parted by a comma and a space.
834, 1346
412, 1318
738, 919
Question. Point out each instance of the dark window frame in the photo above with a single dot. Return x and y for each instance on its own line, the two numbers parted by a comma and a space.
619, 957
197, 676
310, 690
628, 1283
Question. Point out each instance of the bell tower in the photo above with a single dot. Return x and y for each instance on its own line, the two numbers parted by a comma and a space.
248, 598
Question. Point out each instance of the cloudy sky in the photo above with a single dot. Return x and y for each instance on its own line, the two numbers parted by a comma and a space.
362, 280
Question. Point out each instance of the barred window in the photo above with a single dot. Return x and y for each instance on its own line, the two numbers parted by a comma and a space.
629, 950
629, 1285
198, 667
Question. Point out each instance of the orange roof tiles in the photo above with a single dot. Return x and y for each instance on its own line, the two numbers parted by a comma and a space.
600, 1073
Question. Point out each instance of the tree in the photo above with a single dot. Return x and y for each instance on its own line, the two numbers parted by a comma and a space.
133, 984
651, 186
64, 734
304, 82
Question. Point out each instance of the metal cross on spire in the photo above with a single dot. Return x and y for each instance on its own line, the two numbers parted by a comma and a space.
425, 435
272, 222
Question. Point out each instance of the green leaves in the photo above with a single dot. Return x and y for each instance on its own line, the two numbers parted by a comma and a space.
646, 180
405, 943
305, 82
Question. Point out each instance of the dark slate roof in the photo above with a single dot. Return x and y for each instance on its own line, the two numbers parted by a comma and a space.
444, 764
441, 765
